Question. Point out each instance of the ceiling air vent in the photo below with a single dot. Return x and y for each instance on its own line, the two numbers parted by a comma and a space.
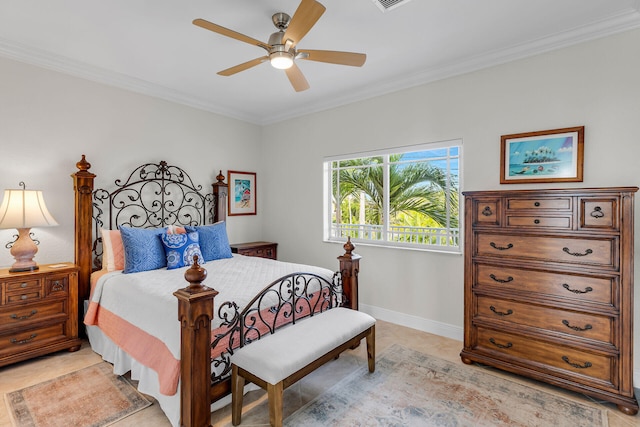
386, 5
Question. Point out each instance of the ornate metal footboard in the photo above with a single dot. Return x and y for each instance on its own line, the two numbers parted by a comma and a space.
283, 302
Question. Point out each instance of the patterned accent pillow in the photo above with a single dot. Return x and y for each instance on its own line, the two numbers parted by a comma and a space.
214, 241
181, 248
112, 250
143, 249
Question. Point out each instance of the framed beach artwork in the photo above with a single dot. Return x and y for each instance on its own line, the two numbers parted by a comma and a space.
242, 200
545, 156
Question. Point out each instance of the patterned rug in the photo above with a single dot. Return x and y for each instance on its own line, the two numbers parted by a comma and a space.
92, 396
413, 389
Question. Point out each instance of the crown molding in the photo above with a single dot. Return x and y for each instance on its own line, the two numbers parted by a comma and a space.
624, 21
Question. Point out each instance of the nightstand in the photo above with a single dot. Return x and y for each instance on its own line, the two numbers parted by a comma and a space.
259, 249
38, 312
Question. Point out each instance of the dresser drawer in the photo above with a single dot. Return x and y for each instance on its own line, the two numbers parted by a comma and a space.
26, 314
537, 221
23, 340
599, 213
486, 211
540, 203
583, 325
564, 361
579, 289
594, 251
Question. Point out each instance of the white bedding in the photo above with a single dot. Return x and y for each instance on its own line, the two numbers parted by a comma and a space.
146, 300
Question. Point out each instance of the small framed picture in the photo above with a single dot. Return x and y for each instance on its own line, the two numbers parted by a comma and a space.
544, 156
242, 200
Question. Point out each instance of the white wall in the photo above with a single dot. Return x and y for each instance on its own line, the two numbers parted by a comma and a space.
48, 120
593, 84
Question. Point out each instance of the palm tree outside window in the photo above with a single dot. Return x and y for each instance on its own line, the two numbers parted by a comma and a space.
403, 198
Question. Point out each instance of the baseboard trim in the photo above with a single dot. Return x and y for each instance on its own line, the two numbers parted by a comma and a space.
433, 327
415, 322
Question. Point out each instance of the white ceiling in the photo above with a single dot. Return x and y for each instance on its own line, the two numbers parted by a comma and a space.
151, 46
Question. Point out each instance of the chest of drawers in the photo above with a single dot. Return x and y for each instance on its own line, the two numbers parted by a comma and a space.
38, 312
549, 287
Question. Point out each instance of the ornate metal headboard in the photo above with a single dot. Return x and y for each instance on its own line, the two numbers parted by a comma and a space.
154, 195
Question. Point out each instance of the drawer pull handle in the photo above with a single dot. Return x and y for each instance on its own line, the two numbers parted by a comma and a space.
507, 345
57, 286
501, 248
487, 211
597, 212
536, 221
25, 341
587, 252
501, 313
536, 204
25, 317
507, 280
24, 297
577, 328
577, 365
23, 285
577, 291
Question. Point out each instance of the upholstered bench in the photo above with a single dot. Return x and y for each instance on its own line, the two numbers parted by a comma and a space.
279, 360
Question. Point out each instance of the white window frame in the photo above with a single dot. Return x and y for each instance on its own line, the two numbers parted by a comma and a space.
327, 196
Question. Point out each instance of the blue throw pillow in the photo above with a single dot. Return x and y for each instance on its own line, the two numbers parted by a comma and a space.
214, 242
142, 249
181, 248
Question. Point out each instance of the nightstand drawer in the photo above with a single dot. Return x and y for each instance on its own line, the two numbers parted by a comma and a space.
26, 314
28, 295
256, 249
22, 340
23, 285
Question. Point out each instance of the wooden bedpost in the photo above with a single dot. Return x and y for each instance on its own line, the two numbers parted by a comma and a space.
83, 188
195, 311
349, 268
220, 194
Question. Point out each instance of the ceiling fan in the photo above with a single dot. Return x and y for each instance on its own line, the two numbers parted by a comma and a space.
281, 47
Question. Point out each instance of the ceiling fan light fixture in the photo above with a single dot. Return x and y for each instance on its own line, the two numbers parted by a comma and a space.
281, 60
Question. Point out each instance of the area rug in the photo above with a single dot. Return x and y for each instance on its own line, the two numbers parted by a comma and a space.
409, 388
92, 396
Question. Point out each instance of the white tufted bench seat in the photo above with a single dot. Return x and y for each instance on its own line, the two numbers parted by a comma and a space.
279, 360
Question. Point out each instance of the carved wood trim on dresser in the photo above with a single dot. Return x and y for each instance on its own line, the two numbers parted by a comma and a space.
549, 287
38, 312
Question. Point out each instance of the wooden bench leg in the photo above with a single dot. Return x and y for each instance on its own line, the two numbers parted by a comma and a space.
237, 395
274, 393
371, 349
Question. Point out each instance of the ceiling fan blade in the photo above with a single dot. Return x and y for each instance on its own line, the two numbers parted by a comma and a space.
297, 79
229, 33
244, 66
304, 18
333, 57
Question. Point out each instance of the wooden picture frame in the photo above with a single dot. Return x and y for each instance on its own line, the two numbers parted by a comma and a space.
242, 193
555, 155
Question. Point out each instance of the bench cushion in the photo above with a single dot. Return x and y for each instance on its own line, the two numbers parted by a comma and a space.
275, 357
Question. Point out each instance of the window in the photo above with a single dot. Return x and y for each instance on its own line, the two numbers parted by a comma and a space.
405, 197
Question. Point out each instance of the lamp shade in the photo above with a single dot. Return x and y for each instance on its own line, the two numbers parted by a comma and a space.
24, 209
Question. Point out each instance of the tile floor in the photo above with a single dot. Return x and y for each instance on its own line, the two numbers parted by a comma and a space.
255, 410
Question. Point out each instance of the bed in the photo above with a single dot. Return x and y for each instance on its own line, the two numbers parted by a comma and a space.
174, 327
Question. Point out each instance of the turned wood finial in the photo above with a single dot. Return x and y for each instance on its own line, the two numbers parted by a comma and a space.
195, 275
348, 248
83, 165
220, 177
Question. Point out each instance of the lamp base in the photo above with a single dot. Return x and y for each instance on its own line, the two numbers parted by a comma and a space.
23, 269
23, 250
